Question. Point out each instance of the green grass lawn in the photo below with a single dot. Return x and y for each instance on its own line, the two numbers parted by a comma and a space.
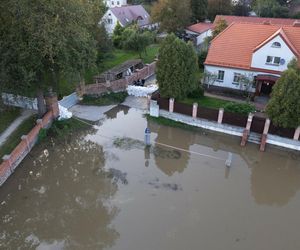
7, 117
206, 101
15, 138
106, 99
118, 56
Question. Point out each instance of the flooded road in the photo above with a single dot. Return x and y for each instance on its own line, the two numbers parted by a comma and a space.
102, 189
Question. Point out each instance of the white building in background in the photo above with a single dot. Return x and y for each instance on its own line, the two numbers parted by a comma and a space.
126, 15
115, 3
261, 52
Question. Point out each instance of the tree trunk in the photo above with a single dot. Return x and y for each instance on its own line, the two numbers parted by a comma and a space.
41, 103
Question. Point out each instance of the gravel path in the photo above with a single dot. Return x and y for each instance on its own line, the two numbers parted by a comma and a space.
14, 125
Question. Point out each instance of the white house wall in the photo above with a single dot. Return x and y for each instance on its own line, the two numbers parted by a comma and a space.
109, 26
115, 3
229, 75
202, 36
260, 56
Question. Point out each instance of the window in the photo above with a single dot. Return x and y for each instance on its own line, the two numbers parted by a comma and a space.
109, 21
274, 60
236, 78
276, 45
221, 74
118, 3
112, 3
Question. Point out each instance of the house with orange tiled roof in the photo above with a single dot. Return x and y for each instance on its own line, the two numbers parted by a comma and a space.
260, 52
200, 31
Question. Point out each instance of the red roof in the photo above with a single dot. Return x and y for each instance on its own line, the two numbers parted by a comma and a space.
234, 47
249, 19
200, 27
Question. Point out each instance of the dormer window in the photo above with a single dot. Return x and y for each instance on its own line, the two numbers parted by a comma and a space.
276, 45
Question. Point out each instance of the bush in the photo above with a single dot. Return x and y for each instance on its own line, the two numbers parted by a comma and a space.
241, 108
106, 99
197, 93
201, 59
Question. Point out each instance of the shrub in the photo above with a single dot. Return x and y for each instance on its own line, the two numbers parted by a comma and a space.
197, 93
241, 108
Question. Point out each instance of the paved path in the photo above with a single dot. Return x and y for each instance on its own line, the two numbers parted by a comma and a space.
14, 125
136, 102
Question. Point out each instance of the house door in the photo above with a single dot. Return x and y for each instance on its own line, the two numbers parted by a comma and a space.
266, 88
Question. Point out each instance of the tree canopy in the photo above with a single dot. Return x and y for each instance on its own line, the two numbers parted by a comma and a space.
176, 68
44, 40
173, 15
199, 10
284, 105
220, 26
219, 7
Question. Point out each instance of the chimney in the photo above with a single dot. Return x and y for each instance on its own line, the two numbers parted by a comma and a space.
266, 22
296, 23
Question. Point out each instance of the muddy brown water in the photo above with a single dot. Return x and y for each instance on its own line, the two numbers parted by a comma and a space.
102, 189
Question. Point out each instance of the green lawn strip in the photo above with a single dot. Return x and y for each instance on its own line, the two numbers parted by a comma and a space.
7, 117
15, 138
214, 103
171, 123
106, 99
208, 102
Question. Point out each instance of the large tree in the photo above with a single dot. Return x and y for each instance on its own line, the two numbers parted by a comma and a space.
43, 41
284, 105
199, 10
219, 7
176, 68
220, 26
173, 15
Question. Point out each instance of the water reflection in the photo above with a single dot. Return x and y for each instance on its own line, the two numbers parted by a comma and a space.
113, 113
171, 160
60, 203
275, 174
275, 181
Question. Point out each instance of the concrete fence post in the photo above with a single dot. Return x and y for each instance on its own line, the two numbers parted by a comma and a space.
265, 135
148, 101
171, 105
220, 116
297, 134
195, 109
25, 138
247, 130
6, 158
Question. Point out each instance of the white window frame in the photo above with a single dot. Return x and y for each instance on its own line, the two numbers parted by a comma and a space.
272, 62
219, 74
236, 75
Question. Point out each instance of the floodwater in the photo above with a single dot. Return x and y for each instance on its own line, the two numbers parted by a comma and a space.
102, 189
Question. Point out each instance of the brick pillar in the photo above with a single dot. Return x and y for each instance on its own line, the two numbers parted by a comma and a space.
52, 103
25, 138
247, 130
195, 109
265, 135
220, 116
6, 158
171, 105
297, 134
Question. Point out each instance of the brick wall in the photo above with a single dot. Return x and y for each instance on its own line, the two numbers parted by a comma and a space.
12, 161
119, 85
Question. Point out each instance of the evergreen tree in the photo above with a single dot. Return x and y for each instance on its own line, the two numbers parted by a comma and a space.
199, 10
176, 68
284, 105
218, 7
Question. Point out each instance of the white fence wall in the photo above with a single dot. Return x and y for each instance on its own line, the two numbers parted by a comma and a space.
19, 101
